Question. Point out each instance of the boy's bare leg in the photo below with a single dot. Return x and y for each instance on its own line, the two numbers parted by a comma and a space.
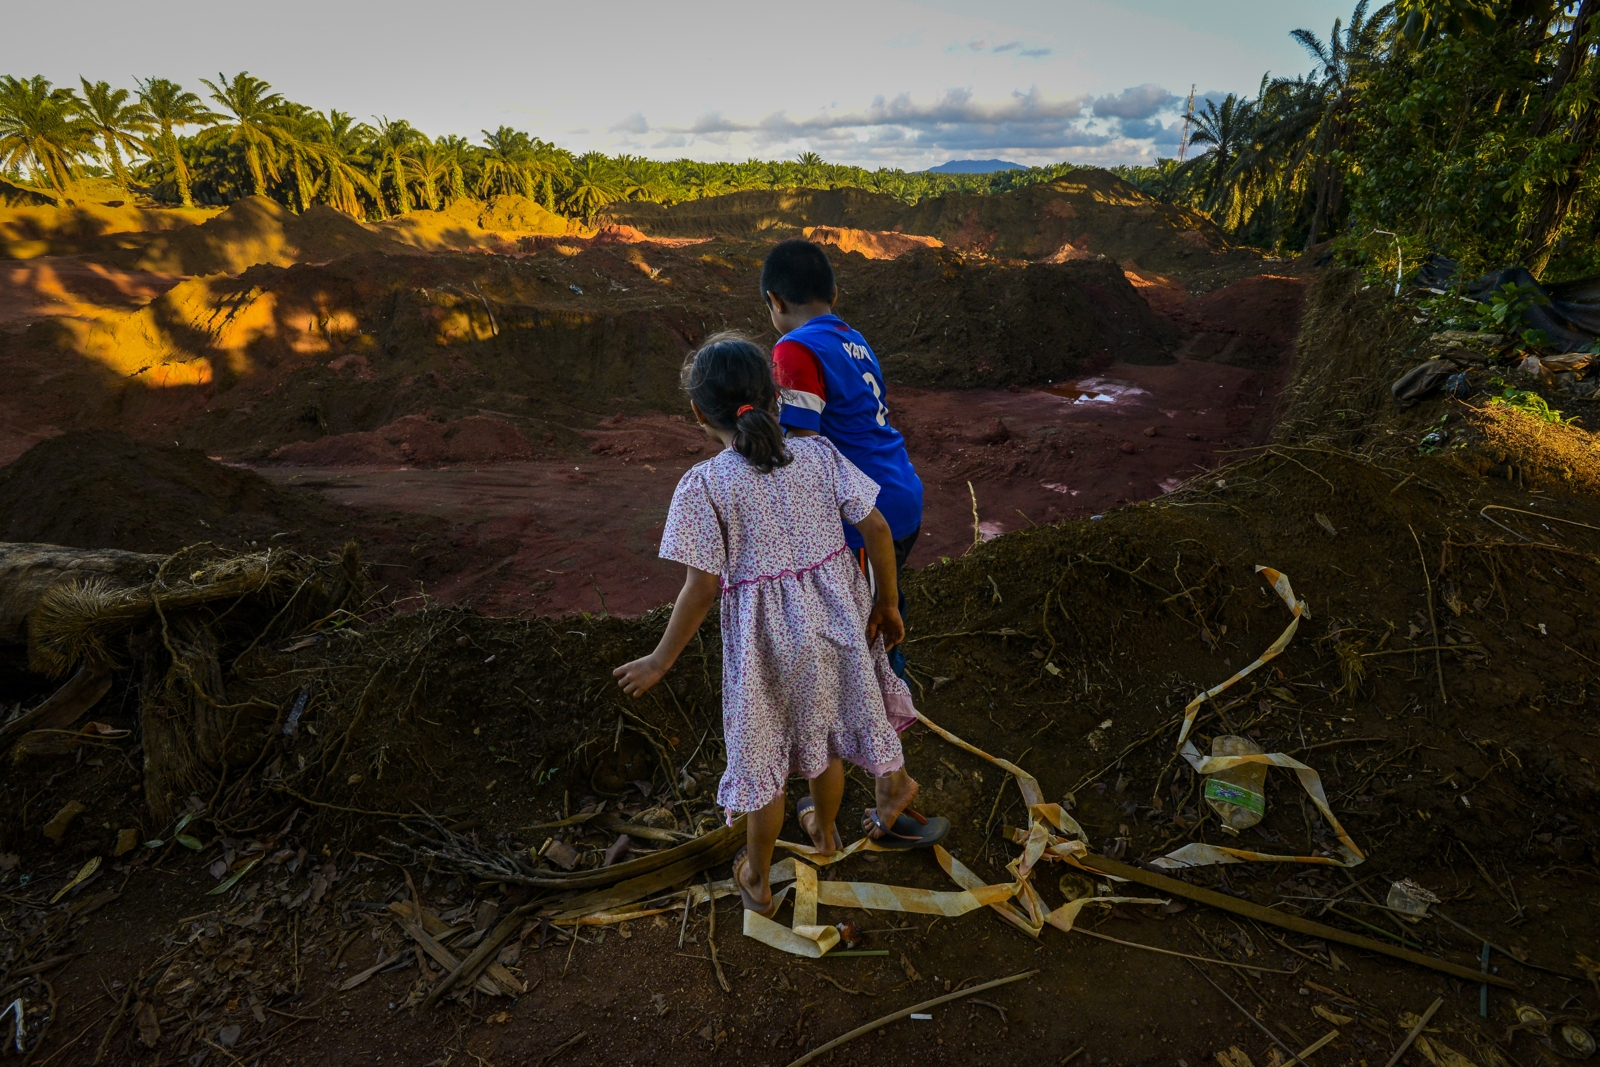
827, 793
894, 793
762, 827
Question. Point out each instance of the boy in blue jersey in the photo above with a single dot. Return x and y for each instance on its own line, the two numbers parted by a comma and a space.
832, 385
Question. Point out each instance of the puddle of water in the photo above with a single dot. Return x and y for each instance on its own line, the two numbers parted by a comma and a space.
1095, 391
1057, 487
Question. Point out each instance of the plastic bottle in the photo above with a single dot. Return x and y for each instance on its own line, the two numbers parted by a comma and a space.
1237, 795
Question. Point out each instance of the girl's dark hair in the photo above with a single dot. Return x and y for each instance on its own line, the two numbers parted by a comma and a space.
730, 374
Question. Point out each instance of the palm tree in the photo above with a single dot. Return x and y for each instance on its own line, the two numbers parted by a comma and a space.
394, 149
44, 128
342, 152
117, 123
257, 125
592, 183
169, 104
432, 168
1227, 130
811, 166
1343, 64
456, 154
505, 162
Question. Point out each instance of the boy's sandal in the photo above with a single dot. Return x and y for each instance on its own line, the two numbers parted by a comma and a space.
742, 859
911, 830
807, 806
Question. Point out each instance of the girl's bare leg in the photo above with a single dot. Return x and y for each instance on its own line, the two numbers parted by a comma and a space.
762, 827
827, 793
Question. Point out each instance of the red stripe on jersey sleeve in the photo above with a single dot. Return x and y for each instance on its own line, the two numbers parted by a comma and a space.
795, 367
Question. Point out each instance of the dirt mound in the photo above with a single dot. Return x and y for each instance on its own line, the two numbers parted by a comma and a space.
647, 437
518, 214
103, 489
413, 440
256, 230
1087, 214
444, 231
874, 244
938, 319
762, 215
46, 230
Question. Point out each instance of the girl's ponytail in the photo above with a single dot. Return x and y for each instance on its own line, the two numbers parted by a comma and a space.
758, 438
730, 381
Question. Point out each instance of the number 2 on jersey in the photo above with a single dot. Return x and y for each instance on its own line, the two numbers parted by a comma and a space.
877, 393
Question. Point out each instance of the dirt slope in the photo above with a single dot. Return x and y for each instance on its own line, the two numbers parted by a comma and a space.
936, 318
1087, 214
244, 365
256, 230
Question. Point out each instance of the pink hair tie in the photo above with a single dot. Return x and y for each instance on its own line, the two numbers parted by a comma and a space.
740, 413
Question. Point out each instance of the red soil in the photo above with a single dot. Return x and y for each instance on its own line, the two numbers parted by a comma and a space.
580, 533
414, 439
32, 290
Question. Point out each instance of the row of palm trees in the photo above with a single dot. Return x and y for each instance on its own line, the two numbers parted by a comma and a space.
250, 140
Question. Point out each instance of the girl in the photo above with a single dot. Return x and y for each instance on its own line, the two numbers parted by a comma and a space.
806, 682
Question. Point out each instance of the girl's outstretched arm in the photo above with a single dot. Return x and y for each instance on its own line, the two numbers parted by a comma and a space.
700, 591
885, 618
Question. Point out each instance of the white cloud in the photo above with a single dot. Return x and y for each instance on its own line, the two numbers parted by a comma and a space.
634, 123
1138, 102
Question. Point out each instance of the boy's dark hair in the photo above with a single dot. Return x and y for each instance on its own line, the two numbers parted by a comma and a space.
730, 381
799, 272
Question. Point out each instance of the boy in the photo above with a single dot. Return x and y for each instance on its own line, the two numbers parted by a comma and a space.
832, 385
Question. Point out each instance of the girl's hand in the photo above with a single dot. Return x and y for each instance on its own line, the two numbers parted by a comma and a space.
637, 677
885, 622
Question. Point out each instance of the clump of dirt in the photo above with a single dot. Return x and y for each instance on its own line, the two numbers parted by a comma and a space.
938, 319
103, 489
521, 215
414, 440
257, 230
874, 244
1086, 214
646, 437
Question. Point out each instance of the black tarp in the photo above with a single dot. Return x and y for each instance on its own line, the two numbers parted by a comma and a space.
1571, 320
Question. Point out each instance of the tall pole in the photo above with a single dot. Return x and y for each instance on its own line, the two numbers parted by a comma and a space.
1188, 117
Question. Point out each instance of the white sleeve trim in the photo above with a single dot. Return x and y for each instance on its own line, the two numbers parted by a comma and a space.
797, 398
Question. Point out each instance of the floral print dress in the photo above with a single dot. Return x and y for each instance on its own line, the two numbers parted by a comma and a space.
800, 684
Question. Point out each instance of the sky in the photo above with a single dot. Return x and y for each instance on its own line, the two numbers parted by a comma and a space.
903, 83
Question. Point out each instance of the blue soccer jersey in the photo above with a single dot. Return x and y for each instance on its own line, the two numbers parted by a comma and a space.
832, 384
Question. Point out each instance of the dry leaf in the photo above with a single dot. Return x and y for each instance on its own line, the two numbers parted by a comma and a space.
144, 1017
1332, 1016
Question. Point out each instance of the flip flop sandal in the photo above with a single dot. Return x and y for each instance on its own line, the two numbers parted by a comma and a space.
911, 830
804, 805
742, 859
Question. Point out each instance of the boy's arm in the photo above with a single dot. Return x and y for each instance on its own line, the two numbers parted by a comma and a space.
799, 376
700, 591
885, 618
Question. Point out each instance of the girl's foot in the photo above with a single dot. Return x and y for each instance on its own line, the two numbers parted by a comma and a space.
745, 879
894, 794
894, 823
826, 841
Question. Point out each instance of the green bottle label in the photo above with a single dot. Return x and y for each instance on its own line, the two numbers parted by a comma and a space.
1228, 793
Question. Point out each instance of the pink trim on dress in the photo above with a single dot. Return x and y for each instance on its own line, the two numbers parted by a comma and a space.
784, 574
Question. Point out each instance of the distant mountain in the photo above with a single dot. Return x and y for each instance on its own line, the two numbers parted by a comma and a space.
975, 166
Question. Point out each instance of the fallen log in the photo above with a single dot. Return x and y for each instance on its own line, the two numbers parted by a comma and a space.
1105, 865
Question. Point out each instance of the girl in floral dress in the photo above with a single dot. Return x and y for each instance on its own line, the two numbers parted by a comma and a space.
806, 683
